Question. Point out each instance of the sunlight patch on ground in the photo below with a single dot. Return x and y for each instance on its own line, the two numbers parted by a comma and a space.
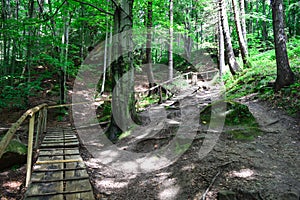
12, 185
169, 188
188, 167
111, 184
169, 192
243, 173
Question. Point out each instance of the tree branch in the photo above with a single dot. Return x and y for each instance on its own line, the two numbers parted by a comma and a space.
99, 9
48, 18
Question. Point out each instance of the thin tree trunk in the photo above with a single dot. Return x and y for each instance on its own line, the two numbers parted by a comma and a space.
221, 46
257, 20
150, 75
242, 43
30, 40
264, 23
171, 43
105, 59
233, 65
64, 57
243, 21
285, 76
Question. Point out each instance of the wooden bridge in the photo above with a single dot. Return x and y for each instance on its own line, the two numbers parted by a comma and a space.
59, 172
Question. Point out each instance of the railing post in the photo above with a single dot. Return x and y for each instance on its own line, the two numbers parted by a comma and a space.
45, 119
29, 153
38, 128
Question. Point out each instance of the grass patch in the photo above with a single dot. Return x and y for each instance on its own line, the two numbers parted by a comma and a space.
261, 77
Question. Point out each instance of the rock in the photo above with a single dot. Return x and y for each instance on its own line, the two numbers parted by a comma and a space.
15, 154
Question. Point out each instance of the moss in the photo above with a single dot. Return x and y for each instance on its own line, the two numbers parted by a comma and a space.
239, 121
248, 133
16, 146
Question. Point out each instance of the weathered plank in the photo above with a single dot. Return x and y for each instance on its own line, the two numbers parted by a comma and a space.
44, 197
40, 190
82, 196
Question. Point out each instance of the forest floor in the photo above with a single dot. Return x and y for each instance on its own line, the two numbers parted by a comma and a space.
266, 167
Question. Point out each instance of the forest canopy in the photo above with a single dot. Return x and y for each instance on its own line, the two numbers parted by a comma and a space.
43, 43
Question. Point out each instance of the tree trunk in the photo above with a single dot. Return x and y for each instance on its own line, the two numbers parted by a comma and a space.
242, 43
105, 55
233, 65
30, 39
123, 102
264, 23
221, 46
64, 57
243, 20
285, 76
150, 75
171, 43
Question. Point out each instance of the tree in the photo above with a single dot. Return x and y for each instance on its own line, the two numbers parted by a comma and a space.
171, 42
243, 21
242, 44
150, 75
123, 110
233, 65
285, 76
221, 46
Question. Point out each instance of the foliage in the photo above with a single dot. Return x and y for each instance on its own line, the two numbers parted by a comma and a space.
104, 112
261, 77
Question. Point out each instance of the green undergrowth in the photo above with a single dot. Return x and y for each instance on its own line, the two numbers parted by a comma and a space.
260, 79
15, 146
239, 121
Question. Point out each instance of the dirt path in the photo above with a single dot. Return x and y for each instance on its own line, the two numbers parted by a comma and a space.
265, 168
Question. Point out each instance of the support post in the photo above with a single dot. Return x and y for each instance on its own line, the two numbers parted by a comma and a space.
29, 153
38, 128
45, 120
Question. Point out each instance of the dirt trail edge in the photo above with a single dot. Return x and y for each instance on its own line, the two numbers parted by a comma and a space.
264, 168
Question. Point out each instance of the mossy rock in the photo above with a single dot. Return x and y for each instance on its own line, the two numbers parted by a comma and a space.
15, 154
239, 121
16, 146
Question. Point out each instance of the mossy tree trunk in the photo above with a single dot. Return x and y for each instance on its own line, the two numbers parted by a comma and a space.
123, 100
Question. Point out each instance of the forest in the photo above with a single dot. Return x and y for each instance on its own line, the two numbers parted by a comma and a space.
123, 69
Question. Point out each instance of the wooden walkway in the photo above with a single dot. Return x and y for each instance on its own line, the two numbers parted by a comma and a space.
59, 172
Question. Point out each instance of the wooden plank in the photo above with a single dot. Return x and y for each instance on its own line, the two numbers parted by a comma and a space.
53, 170
57, 161
60, 138
60, 141
49, 176
81, 196
51, 152
76, 173
44, 197
49, 166
53, 166
52, 145
35, 189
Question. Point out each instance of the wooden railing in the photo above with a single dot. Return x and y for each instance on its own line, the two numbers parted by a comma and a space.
41, 110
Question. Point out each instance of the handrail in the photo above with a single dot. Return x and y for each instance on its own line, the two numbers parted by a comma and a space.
41, 127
